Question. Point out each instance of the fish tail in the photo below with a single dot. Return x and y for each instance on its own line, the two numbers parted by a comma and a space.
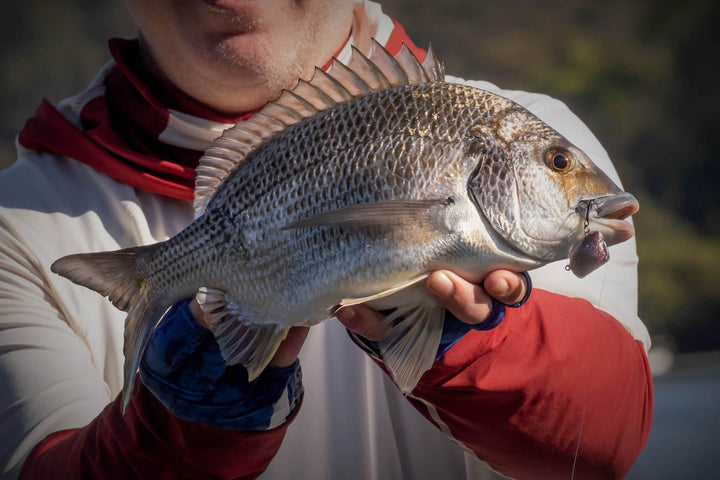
142, 318
117, 275
112, 274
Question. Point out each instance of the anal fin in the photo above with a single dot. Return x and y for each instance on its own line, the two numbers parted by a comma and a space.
241, 342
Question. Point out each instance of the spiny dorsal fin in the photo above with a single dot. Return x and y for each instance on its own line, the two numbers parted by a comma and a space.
362, 75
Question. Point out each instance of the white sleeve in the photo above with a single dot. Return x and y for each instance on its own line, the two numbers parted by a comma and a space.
613, 287
36, 343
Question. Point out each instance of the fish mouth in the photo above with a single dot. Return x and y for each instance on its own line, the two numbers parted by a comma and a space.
607, 215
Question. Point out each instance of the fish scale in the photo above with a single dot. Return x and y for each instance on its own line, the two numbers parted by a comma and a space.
330, 196
316, 131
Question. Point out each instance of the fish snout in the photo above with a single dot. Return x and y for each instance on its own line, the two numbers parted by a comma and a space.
618, 206
607, 215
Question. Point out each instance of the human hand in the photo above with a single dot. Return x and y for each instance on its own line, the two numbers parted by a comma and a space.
288, 350
472, 304
183, 367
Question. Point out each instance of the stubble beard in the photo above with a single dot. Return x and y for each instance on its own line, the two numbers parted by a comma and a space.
276, 64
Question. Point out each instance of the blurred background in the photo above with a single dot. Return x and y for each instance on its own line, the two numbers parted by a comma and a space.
643, 74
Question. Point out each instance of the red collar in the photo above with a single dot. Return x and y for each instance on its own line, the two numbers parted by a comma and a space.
121, 128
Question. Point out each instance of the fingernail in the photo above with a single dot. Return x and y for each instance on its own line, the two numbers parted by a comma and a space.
499, 288
345, 314
441, 285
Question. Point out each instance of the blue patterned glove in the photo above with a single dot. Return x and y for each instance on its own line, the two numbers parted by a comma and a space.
182, 366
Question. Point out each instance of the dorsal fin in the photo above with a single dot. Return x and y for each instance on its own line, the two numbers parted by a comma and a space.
362, 75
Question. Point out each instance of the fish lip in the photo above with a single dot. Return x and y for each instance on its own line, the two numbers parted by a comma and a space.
606, 214
618, 206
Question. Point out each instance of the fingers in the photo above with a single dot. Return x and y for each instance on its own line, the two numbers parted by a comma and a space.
471, 303
289, 349
363, 321
505, 287
466, 301
198, 313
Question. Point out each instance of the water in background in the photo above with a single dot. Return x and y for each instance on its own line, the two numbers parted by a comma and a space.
684, 441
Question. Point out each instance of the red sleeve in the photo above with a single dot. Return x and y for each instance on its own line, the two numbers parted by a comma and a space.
558, 387
149, 442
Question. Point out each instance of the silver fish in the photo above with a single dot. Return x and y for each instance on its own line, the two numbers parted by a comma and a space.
352, 188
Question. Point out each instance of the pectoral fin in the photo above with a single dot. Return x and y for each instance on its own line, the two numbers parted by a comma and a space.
240, 342
371, 214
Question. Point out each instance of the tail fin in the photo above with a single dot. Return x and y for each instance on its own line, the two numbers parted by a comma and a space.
111, 274
115, 275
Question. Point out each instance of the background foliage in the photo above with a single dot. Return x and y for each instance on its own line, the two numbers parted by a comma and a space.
643, 74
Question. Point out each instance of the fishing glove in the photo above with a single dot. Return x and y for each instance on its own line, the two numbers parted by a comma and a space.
182, 366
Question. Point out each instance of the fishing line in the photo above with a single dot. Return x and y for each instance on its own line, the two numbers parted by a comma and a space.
586, 230
577, 448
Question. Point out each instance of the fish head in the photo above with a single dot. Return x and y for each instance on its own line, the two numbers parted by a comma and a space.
540, 193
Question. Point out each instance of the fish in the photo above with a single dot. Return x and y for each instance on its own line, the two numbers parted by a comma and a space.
351, 188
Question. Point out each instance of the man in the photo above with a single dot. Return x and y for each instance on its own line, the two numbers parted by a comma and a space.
557, 387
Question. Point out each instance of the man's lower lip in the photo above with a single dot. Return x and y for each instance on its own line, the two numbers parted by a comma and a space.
229, 5
235, 18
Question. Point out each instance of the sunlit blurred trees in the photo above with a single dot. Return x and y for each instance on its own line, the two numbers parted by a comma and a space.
50, 49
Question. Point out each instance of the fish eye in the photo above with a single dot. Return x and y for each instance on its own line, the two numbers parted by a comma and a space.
559, 159
560, 162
